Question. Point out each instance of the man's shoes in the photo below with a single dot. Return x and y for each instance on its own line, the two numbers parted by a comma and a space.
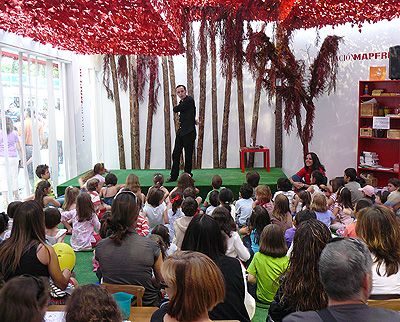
171, 180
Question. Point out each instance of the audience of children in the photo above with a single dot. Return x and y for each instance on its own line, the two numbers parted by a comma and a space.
244, 206
214, 202
52, 218
85, 223
320, 207
155, 209
234, 245
265, 224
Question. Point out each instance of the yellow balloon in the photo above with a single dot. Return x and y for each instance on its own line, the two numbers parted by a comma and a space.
66, 256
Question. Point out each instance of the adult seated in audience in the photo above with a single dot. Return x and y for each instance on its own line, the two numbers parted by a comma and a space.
92, 303
378, 227
204, 235
26, 251
125, 257
302, 179
300, 287
345, 269
194, 285
350, 180
24, 298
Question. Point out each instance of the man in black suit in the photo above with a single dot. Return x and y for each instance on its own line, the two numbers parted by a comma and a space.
186, 134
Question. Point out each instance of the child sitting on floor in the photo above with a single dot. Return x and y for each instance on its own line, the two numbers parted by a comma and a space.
158, 181
214, 202
11, 210
71, 193
263, 198
132, 183
190, 209
317, 180
342, 211
269, 263
301, 201
84, 223
98, 171
108, 192
42, 195
163, 232
216, 183
155, 209
320, 207
244, 206
176, 199
281, 214
3, 225
52, 217
253, 179
284, 186
226, 200
94, 186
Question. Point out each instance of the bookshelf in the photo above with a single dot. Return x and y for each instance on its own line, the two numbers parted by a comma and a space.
384, 143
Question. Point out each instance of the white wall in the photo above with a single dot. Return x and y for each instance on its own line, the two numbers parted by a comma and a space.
335, 129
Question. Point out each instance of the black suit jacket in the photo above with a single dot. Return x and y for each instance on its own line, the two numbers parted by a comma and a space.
187, 116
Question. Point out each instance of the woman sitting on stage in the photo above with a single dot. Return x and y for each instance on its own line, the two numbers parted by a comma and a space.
302, 179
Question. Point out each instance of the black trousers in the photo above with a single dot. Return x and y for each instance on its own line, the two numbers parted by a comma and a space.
183, 142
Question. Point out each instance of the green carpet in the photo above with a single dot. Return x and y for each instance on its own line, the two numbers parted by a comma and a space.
83, 267
232, 178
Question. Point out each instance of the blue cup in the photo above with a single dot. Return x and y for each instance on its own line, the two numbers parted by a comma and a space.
124, 302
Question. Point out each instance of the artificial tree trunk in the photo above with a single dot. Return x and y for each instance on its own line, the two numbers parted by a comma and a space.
167, 113
189, 70
120, 137
172, 82
278, 131
225, 122
214, 102
150, 112
134, 112
254, 120
202, 99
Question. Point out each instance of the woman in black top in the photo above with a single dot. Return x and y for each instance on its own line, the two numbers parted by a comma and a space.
203, 235
26, 251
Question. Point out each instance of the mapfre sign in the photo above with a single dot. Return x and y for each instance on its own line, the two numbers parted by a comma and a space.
364, 56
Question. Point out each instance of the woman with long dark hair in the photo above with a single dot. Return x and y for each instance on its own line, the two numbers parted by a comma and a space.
204, 235
300, 288
379, 228
302, 179
125, 257
26, 251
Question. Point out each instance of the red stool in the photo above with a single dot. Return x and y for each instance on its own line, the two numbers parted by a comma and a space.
246, 149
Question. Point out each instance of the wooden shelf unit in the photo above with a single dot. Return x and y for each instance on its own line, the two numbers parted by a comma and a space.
388, 150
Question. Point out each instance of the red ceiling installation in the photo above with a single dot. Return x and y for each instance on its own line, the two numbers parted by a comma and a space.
97, 26
154, 27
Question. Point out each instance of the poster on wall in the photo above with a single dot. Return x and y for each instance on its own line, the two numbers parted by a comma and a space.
377, 73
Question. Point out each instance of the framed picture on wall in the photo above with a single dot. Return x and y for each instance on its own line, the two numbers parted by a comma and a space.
377, 73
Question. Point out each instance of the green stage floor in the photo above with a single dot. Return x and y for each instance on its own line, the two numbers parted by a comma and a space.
231, 178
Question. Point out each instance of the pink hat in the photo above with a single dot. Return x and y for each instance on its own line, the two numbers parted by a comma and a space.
368, 190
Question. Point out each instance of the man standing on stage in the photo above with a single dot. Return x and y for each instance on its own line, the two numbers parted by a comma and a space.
186, 134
